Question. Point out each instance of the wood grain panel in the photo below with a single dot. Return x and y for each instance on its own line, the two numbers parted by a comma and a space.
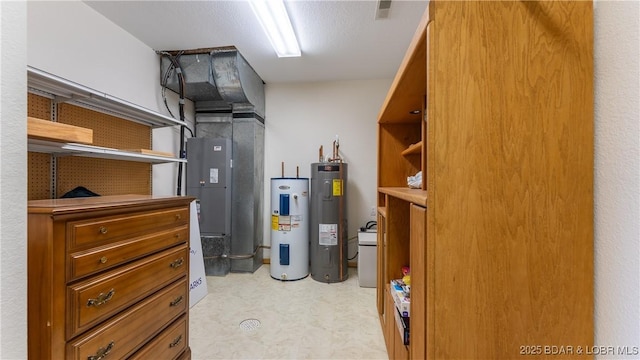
53, 131
418, 241
129, 284
513, 100
397, 138
397, 238
381, 262
429, 183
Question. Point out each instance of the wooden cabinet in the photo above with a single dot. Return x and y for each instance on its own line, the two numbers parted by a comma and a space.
108, 276
493, 102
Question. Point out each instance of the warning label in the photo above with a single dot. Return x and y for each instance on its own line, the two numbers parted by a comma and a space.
284, 224
328, 234
337, 187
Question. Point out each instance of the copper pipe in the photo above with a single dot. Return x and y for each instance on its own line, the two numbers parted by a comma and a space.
334, 151
282, 166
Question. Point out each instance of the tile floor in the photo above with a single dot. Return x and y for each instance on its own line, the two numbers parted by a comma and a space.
303, 319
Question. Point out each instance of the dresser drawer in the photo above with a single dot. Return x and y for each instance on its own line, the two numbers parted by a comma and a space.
99, 297
129, 331
93, 260
95, 232
168, 345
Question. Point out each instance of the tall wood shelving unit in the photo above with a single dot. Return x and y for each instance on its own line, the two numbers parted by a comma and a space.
493, 102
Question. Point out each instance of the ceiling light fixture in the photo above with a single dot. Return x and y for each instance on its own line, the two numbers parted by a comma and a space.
275, 21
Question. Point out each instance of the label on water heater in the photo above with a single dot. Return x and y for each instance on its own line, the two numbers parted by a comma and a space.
328, 234
337, 187
274, 222
284, 223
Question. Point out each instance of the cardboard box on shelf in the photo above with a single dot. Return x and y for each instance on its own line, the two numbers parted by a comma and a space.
401, 297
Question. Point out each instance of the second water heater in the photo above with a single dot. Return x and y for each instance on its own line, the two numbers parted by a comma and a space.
328, 229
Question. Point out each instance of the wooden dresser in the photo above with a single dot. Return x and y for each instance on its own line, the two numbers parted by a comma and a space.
108, 278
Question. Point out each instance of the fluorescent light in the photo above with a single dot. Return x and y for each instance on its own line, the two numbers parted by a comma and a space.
274, 20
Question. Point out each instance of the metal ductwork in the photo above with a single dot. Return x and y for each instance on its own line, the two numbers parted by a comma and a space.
230, 104
218, 79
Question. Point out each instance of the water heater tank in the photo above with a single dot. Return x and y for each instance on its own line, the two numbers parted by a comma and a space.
289, 228
328, 234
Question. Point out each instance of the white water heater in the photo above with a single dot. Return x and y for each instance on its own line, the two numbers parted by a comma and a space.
289, 228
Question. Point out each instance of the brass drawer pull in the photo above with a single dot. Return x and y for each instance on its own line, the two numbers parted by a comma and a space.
102, 230
176, 341
177, 301
177, 263
178, 217
103, 260
102, 352
101, 299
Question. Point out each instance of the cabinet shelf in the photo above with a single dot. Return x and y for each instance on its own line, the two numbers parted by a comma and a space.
415, 196
413, 149
62, 90
73, 149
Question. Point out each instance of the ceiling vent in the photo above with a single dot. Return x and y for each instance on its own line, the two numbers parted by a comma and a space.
382, 9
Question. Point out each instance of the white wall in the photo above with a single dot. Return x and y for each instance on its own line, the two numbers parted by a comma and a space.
71, 40
617, 174
302, 117
13, 184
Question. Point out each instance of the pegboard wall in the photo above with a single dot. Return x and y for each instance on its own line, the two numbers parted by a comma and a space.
102, 176
39, 165
108, 131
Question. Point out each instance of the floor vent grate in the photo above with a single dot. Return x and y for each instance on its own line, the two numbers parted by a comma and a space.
249, 325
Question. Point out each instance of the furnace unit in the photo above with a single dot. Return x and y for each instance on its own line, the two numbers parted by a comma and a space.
209, 181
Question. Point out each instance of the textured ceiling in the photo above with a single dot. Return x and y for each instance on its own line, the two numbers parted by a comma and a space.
340, 40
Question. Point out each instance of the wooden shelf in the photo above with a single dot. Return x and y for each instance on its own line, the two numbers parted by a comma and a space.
382, 210
413, 149
53, 131
415, 196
